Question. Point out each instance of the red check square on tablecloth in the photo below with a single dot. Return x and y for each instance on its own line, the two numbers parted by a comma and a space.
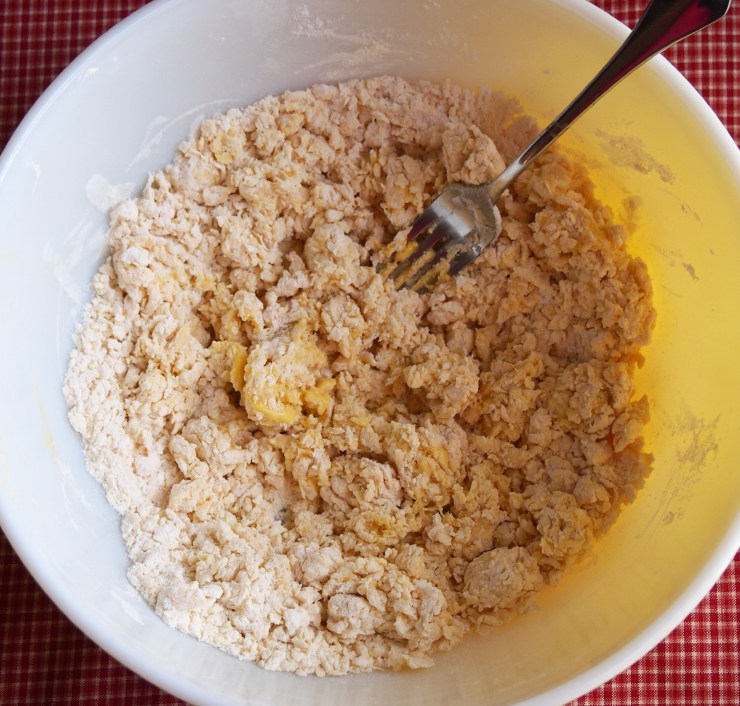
45, 660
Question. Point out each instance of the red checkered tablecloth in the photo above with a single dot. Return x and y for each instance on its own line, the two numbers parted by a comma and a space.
46, 660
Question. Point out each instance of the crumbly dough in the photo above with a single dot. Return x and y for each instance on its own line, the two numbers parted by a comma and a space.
325, 475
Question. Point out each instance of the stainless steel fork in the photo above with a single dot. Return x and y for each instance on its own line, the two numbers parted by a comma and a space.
463, 219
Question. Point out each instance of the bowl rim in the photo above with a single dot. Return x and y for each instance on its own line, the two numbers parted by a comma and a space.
574, 687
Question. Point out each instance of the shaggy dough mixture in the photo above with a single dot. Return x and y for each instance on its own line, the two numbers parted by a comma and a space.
322, 474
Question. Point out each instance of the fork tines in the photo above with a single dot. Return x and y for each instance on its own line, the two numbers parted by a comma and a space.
420, 264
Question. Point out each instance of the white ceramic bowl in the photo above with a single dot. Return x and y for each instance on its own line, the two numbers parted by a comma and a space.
118, 112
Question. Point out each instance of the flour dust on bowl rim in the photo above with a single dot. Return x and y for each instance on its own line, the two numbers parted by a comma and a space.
662, 161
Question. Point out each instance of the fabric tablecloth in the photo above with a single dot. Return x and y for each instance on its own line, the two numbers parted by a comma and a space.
45, 659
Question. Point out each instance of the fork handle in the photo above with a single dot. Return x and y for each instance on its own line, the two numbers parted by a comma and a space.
663, 23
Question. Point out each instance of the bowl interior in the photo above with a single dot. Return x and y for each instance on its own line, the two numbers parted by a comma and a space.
659, 158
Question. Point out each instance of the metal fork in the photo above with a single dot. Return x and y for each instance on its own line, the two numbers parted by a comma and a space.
463, 219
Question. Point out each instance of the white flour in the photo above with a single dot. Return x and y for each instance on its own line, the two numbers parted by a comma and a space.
322, 474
